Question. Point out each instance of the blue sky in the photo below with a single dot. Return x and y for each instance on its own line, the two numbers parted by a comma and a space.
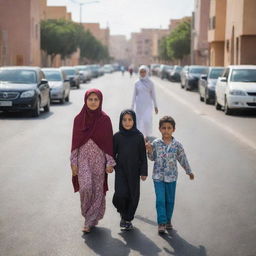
126, 16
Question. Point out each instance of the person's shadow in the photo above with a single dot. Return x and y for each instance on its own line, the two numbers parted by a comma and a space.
102, 243
180, 246
137, 241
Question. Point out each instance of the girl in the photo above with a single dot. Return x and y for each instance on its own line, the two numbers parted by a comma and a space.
131, 159
143, 99
92, 157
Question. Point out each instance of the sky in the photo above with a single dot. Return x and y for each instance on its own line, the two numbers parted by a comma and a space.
126, 16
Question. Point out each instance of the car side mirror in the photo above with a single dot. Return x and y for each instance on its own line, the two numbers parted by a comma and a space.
204, 77
223, 79
66, 80
44, 81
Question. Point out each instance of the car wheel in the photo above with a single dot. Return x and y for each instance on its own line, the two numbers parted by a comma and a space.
206, 98
62, 100
200, 96
78, 86
227, 110
67, 98
36, 111
217, 105
186, 86
47, 107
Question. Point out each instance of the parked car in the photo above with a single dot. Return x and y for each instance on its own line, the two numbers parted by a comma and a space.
192, 76
108, 68
59, 84
163, 71
154, 69
24, 89
73, 76
183, 74
207, 83
85, 73
236, 89
94, 70
174, 74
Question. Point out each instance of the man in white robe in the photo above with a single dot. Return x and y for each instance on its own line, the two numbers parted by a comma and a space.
144, 98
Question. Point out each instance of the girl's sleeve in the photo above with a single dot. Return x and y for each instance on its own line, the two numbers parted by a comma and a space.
143, 158
110, 160
134, 98
153, 94
182, 158
74, 157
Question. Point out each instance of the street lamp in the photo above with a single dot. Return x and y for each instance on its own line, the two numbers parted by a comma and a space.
81, 4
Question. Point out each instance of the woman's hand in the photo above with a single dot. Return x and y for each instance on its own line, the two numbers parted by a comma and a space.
143, 178
156, 110
191, 176
109, 169
74, 169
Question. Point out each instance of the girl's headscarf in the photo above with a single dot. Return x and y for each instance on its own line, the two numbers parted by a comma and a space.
144, 67
134, 129
93, 124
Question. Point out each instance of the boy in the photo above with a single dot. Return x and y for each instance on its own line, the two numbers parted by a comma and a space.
165, 152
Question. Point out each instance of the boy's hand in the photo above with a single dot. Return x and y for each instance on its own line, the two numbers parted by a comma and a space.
143, 178
109, 169
156, 110
149, 147
191, 176
74, 170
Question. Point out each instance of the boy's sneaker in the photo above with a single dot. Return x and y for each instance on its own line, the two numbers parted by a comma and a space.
122, 223
161, 229
169, 226
128, 226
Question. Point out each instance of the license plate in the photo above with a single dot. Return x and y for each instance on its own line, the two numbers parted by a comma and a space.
5, 103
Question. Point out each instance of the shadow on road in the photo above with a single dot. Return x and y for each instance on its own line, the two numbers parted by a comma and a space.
15, 116
102, 243
137, 241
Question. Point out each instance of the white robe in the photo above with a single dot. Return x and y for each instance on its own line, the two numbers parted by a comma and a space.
144, 98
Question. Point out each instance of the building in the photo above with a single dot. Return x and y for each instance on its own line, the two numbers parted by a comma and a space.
199, 33
20, 20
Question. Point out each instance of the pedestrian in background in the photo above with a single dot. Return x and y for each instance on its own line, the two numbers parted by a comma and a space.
144, 98
131, 166
92, 157
165, 152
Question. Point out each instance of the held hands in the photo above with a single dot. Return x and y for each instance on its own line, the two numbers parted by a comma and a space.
191, 176
149, 147
156, 110
74, 170
143, 178
109, 169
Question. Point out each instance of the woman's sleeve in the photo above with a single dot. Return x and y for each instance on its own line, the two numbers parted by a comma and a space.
134, 97
74, 157
153, 94
110, 160
143, 158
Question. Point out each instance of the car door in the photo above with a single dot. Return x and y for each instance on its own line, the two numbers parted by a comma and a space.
66, 83
44, 89
221, 87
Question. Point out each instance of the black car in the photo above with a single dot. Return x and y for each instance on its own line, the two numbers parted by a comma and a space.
73, 76
207, 83
174, 74
163, 71
192, 76
24, 89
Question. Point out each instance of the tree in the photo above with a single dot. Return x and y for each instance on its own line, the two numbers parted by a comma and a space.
163, 54
178, 42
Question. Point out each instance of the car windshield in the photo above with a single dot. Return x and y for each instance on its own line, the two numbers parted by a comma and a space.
178, 68
70, 72
18, 76
243, 75
198, 70
215, 73
52, 75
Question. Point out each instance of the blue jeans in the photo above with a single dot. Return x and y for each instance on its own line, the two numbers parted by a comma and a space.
165, 197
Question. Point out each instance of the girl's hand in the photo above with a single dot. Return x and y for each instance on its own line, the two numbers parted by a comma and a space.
143, 178
191, 176
156, 110
149, 147
109, 169
74, 170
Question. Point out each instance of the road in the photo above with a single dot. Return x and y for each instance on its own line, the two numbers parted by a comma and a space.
215, 215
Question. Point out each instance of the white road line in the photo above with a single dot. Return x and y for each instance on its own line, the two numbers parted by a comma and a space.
226, 128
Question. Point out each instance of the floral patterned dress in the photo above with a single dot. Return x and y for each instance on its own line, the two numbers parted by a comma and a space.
91, 162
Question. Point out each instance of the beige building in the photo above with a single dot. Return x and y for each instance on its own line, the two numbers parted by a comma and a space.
199, 33
102, 34
20, 32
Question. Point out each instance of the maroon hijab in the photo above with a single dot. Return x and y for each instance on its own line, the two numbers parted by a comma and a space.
93, 124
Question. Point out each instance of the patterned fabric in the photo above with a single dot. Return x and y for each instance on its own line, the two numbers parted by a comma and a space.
165, 158
91, 162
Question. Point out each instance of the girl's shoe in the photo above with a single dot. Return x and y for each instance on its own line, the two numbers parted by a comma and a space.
161, 229
169, 226
128, 226
122, 223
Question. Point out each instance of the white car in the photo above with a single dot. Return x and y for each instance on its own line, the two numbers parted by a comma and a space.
236, 89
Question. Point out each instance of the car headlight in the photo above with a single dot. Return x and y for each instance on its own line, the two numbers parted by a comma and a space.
211, 85
237, 92
28, 94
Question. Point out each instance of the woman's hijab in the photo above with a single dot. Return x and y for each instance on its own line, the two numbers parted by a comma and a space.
145, 80
93, 124
134, 129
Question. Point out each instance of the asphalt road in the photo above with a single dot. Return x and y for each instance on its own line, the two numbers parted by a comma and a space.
214, 215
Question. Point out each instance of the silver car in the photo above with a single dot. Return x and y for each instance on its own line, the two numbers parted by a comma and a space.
59, 84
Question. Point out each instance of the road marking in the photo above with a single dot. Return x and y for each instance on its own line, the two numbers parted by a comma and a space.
211, 119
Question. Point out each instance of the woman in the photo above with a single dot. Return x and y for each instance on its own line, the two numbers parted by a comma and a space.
92, 157
144, 98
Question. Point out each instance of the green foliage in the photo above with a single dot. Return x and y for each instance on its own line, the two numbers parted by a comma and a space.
64, 37
163, 54
178, 42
